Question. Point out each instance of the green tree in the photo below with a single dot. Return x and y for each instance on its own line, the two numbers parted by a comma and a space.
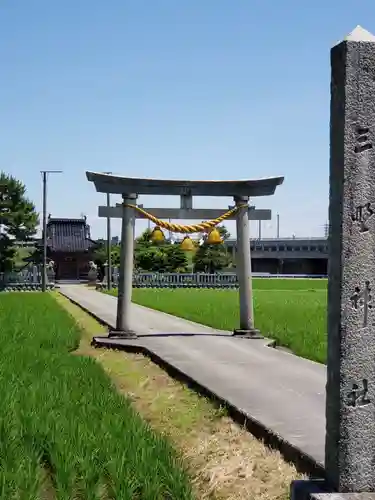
175, 259
18, 218
212, 258
100, 253
144, 238
161, 257
149, 258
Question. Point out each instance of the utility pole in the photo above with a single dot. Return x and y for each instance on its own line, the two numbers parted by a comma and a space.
278, 226
3, 192
109, 244
44, 233
260, 230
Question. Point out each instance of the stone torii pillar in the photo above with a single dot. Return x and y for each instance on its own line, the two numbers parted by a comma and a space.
243, 268
125, 282
240, 191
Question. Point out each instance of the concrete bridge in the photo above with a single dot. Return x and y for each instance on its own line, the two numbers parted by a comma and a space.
286, 255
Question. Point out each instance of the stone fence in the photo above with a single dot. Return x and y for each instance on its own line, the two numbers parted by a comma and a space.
184, 280
190, 280
176, 280
28, 279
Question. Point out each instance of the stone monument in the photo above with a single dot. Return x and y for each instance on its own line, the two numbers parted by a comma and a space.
350, 391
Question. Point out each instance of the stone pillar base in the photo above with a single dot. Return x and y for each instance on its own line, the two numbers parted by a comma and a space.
122, 334
252, 333
318, 490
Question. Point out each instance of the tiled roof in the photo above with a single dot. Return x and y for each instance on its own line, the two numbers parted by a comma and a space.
68, 235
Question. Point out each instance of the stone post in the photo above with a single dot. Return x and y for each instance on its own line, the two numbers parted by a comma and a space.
125, 282
350, 391
35, 277
243, 268
115, 277
105, 281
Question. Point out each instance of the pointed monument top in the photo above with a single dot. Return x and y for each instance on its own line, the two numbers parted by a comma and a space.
359, 34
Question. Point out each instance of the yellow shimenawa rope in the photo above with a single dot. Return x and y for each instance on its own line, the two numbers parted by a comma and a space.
179, 228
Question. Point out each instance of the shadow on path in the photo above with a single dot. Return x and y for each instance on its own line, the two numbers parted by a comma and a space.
179, 334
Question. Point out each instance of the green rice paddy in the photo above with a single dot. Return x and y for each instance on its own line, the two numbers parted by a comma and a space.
291, 311
65, 432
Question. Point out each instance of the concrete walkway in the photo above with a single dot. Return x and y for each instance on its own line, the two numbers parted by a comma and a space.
286, 394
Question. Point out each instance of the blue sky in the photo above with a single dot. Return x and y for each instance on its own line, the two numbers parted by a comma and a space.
198, 89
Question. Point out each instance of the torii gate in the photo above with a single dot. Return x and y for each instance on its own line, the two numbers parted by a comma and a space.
130, 188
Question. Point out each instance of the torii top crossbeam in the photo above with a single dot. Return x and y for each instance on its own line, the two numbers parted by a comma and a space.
106, 183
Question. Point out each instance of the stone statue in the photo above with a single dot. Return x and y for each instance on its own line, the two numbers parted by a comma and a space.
50, 270
93, 272
93, 266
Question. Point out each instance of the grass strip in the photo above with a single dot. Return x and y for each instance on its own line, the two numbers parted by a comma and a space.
224, 460
61, 413
294, 317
